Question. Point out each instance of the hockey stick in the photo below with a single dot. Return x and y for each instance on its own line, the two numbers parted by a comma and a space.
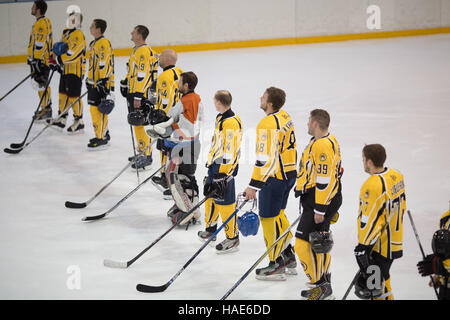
260, 259
19, 145
124, 265
147, 288
135, 156
80, 205
421, 249
91, 218
16, 86
19, 149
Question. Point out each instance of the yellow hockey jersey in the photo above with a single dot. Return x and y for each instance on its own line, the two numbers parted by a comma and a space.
41, 40
226, 143
167, 88
101, 62
74, 60
276, 153
382, 203
142, 70
444, 223
319, 168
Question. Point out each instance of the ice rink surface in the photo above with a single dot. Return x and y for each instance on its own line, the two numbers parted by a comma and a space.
392, 91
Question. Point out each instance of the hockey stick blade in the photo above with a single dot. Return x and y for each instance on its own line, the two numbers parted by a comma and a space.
12, 151
16, 145
75, 205
153, 289
92, 218
115, 264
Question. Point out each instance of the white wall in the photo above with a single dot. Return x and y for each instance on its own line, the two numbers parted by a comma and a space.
204, 21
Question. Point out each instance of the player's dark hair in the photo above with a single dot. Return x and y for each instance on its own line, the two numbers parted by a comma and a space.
277, 97
224, 97
376, 153
100, 24
41, 5
322, 117
190, 78
143, 31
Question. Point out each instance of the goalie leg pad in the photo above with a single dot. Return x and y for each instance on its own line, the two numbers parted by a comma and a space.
184, 191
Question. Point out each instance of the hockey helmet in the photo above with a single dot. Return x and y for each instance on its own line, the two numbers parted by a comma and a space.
248, 223
441, 243
74, 17
157, 116
362, 292
60, 48
321, 241
106, 105
138, 118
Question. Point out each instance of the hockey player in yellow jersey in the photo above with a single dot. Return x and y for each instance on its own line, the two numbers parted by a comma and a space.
142, 73
71, 59
39, 48
438, 263
319, 188
273, 177
100, 84
167, 95
223, 159
382, 203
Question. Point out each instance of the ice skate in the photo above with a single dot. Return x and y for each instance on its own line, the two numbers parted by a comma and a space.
228, 246
96, 144
319, 291
275, 271
160, 183
289, 260
206, 234
142, 162
43, 114
77, 126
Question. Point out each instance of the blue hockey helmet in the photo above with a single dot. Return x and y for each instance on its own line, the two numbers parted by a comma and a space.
60, 48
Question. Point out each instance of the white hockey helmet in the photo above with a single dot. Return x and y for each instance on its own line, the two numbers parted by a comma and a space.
73, 16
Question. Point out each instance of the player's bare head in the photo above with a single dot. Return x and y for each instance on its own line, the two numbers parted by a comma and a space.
322, 117
275, 97
100, 24
375, 153
224, 97
142, 32
40, 5
188, 82
168, 58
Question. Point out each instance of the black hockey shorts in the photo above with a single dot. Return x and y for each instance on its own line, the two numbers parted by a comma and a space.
70, 85
307, 224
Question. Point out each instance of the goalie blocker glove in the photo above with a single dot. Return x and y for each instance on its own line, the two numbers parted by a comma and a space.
124, 88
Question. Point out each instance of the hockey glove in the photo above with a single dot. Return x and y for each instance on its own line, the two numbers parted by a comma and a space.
34, 66
53, 64
362, 254
297, 193
101, 88
219, 186
89, 84
124, 88
432, 264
